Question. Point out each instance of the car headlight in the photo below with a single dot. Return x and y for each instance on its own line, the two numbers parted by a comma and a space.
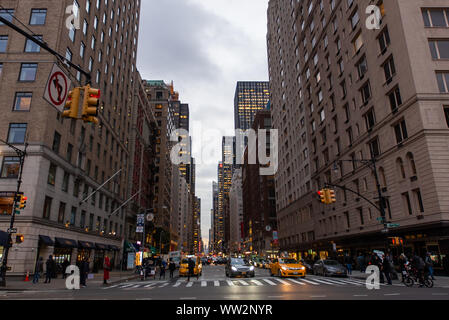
303, 268
233, 268
284, 268
251, 268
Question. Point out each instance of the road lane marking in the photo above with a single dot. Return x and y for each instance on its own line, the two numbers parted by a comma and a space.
189, 284
127, 285
283, 282
310, 282
270, 282
177, 284
187, 298
111, 287
333, 281
216, 283
350, 282
204, 283
257, 282
324, 282
149, 285
392, 294
230, 283
136, 286
163, 285
243, 282
294, 281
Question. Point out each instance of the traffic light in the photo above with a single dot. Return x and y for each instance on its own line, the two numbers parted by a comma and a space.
23, 202
322, 196
332, 196
72, 104
19, 238
90, 104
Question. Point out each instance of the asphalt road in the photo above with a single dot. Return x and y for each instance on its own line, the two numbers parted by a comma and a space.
214, 285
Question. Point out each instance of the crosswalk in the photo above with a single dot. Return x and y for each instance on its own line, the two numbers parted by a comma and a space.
309, 281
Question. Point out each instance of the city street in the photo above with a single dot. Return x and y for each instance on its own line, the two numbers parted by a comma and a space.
213, 285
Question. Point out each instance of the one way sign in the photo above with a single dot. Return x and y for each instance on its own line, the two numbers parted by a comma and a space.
57, 88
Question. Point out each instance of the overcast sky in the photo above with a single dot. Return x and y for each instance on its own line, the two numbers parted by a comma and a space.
204, 47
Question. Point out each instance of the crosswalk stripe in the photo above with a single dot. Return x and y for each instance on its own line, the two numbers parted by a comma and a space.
127, 285
333, 281
204, 283
295, 281
283, 282
216, 283
257, 282
350, 282
189, 284
136, 286
149, 285
163, 285
325, 282
230, 283
244, 283
105, 288
310, 282
177, 284
270, 282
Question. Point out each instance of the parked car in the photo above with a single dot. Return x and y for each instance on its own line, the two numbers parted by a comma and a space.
286, 267
329, 268
238, 267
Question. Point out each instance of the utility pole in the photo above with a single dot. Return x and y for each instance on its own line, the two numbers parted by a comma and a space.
22, 154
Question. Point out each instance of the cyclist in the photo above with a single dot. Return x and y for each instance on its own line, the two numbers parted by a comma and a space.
419, 265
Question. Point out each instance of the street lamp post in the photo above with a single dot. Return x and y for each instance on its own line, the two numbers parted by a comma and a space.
22, 154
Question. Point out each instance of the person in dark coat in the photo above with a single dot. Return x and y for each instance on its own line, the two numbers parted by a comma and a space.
402, 261
50, 266
162, 269
171, 268
84, 271
348, 262
386, 268
191, 265
64, 265
419, 265
361, 262
39, 270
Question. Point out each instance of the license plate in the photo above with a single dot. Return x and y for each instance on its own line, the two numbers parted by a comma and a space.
295, 272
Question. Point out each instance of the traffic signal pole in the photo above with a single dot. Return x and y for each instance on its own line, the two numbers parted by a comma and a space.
22, 154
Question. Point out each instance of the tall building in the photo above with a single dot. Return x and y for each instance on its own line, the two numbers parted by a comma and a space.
250, 97
67, 159
359, 93
196, 234
216, 224
236, 212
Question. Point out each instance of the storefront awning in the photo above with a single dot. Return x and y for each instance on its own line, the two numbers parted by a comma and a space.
3, 238
100, 246
86, 244
66, 243
113, 248
46, 240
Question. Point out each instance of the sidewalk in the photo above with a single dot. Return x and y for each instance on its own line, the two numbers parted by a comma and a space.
441, 281
18, 283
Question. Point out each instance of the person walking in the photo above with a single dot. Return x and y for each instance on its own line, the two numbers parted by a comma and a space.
191, 266
106, 269
64, 265
429, 265
39, 269
49, 269
84, 271
402, 262
348, 262
386, 268
162, 271
361, 262
171, 268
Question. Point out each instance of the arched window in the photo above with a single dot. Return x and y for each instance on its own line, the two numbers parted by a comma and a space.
401, 169
412, 164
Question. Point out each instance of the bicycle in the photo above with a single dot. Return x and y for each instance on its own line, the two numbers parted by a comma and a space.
411, 276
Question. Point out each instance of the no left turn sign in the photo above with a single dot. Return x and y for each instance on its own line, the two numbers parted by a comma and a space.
57, 88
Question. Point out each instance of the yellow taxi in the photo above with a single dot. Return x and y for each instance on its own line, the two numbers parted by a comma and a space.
184, 266
287, 267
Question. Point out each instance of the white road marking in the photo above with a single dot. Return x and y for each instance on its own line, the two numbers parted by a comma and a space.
216, 283
230, 283
351, 282
283, 282
295, 281
310, 282
324, 282
177, 284
270, 282
127, 285
110, 287
149, 285
257, 282
187, 298
189, 284
204, 283
163, 285
243, 282
392, 294
333, 281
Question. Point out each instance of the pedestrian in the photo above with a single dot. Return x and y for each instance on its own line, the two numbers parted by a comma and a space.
49, 269
402, 262
39, 269
172, 268
162, 271
361, 262
191, 266
106, 269
386, 268
429, 265
419, 265
64, 265
348, 262
84, 272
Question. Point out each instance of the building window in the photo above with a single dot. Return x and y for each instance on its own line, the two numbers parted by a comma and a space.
69, 152
446, 114
17, 133
362, 220
400, 130
65, 182
439, 49
28, 72
443, 81
436, 17
83, 219
3, 43
374, 148
51, 179
22, 101
406, 203
73, 216
365, 91
10, 167
370, 119
354, 20
61, 212
38, 16
418, 200
31, 46
362, 67
384, 40
400, 167
56, 142
47, 208
389, 70
395, 99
